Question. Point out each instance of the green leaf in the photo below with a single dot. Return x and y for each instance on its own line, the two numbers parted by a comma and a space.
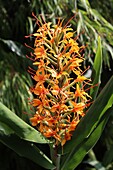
109, 48
5, 130
102, 19
76, 156
89, 124
108, 157
24, 148
96, 164
96, 72
15, 47
22, 129
86, 4
80, 23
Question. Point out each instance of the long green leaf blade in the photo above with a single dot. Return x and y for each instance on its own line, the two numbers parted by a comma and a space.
22, 129
25, 149
97, 68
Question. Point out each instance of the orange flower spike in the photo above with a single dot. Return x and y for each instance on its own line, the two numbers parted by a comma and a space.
57, 55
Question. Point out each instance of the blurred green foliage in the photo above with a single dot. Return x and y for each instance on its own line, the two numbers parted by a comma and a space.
16, 21
105, 8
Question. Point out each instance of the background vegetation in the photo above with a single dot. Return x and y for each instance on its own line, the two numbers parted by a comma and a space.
92, 18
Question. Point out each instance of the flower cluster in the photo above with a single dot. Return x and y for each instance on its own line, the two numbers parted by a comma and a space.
60, 95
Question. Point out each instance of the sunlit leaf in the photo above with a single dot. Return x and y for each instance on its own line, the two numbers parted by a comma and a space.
22, 129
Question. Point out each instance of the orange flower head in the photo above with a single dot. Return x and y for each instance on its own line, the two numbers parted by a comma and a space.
59, 86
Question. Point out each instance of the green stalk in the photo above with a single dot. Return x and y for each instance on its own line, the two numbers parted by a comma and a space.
52, 62
53, 58
55, 157
70, 85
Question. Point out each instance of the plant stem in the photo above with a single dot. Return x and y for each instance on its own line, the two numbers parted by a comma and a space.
54, 156
92, 155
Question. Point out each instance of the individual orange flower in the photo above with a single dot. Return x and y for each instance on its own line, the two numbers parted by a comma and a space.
81, 93
40, 76
36, 119
59, 108
36, 102
39, 90
40, 53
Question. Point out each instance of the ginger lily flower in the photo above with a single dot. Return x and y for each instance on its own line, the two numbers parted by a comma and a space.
60, 97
